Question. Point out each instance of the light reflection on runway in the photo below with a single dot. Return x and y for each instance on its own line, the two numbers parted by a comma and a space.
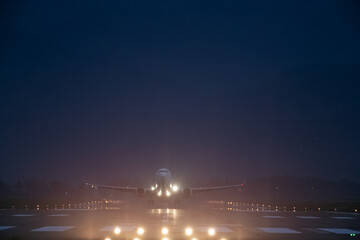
185, 224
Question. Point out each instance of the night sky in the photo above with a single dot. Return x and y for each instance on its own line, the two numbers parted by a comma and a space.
112, 89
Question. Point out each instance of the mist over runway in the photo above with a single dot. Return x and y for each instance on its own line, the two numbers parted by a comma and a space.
190, 222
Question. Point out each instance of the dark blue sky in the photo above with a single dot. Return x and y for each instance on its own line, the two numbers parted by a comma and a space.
108, 89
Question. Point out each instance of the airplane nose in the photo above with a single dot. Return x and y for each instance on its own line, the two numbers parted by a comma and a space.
162, 178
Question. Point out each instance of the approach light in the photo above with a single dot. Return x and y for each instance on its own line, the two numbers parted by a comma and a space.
164, 231
211, 231
168, 193
188, 231
117, 230
175, 188
140, 231
152, 188
159, 193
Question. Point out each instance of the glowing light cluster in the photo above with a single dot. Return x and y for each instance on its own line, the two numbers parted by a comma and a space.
188, 231
117, 230
211, 231
175, 188
164, 231
140, 231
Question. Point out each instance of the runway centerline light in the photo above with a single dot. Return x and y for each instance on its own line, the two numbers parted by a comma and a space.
164, 231
117, 230
211, 231
188, 231
140, 231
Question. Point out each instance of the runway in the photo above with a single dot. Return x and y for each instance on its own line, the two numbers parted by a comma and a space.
100, 224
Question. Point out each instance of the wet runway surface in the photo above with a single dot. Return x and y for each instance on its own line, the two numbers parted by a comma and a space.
100, 224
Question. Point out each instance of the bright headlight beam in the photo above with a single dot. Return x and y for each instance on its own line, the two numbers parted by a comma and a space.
188, 231
164, 231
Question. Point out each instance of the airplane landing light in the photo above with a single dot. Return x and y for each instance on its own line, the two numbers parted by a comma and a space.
175, 188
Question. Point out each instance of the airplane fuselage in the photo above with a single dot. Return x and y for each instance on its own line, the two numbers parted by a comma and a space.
164, 183
163, 177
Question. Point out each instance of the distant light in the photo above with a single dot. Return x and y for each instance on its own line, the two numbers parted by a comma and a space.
222, 238
140, 231
175, 188
168, 193
164, 230
194, 239
117, 230
211, 231
352, 234
107, 238
152, 188
164, 238
188, 231
136, 239
159, 193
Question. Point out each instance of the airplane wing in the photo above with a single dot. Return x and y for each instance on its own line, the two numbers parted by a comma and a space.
207, 189
123, 189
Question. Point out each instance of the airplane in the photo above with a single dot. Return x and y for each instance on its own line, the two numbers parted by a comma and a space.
164, 188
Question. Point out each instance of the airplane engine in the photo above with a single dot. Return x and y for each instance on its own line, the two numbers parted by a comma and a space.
140, 192
187, 192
